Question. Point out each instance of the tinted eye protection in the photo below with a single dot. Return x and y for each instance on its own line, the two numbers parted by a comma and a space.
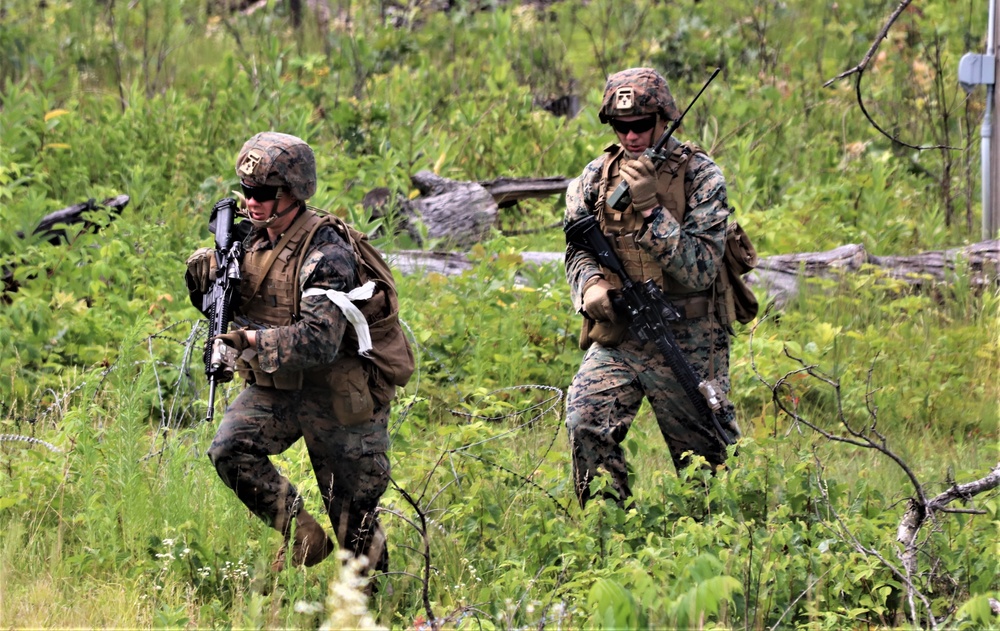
639, 126
260, 193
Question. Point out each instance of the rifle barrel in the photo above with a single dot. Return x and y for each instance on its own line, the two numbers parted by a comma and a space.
211, 399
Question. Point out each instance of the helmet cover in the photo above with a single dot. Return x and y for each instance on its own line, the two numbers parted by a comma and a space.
635, 92
271, 158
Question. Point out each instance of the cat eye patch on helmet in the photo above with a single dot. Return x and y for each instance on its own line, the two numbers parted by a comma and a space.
260, 193
639, 126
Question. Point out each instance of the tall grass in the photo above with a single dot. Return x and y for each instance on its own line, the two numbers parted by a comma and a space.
127, 524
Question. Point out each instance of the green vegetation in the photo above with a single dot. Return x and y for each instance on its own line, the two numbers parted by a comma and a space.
118, 519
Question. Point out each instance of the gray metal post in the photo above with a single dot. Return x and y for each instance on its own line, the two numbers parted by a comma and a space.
992, 176
976, 70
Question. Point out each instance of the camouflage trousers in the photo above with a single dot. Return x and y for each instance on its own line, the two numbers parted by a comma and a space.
350, 463
607, 391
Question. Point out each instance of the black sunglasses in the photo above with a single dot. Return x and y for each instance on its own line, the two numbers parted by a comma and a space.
260, 193
638, 126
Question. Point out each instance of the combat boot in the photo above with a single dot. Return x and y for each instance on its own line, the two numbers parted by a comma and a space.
310, 544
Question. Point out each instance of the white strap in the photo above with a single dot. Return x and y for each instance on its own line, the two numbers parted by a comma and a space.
345, 302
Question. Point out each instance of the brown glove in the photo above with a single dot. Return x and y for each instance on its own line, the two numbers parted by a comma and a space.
234, 339
641, 177
200, 269
597, 300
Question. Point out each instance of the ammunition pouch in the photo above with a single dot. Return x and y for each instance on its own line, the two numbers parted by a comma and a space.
735, 301
248, 367
352, 398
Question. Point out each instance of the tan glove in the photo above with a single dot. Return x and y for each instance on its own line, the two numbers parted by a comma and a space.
234, 339
597, 300
641, 177
200, 269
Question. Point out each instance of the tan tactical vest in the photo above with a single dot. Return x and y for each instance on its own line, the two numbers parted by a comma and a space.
623, 227
729, 299
268, 295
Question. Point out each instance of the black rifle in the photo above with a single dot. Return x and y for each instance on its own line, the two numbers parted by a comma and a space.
622, 197
217, 302
648, 313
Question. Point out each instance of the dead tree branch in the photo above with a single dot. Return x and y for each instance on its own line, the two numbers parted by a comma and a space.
859, 70
425, 553
904, 578
918, 513
919, 510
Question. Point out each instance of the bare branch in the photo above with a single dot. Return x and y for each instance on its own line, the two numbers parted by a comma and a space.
919, 508
962, 511
805, 591
426, 553
860, 68
968, 490
906, 577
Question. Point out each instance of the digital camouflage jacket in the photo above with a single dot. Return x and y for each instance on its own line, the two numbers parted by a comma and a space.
311, 341
690, 252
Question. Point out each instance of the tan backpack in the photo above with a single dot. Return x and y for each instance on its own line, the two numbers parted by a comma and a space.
391, 352
736, 301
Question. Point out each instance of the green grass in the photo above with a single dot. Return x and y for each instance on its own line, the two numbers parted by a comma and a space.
129, 526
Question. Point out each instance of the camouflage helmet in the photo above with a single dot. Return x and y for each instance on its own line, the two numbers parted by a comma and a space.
274, 159
637, 91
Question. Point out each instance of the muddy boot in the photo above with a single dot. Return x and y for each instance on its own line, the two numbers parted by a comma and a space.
310, 544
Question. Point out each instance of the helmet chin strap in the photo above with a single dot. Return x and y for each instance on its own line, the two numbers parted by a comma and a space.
260, 224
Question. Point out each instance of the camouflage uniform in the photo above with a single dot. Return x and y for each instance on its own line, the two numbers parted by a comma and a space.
298, 374
683, 257
350, 463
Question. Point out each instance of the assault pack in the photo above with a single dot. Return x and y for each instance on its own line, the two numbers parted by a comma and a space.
390, 350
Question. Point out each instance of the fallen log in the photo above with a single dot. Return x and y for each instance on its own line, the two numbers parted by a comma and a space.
461, 213
421, 262
507, 191
52, 228
778, 277
458, 213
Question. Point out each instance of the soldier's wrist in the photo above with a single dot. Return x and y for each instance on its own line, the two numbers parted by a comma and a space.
651, 212
590, 282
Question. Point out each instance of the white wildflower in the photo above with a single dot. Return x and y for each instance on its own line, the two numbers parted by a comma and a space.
346, 603
308, 608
